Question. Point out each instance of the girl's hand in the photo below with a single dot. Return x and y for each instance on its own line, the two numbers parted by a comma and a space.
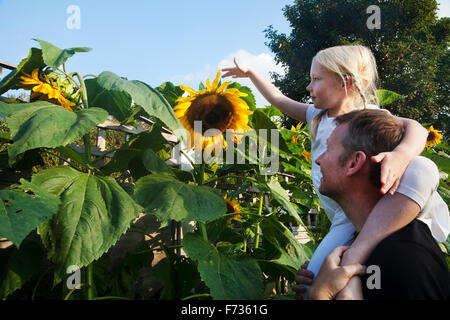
333, 277
393, 165
304, 277
237, 72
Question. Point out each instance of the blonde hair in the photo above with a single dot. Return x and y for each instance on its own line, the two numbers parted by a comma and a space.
353, 63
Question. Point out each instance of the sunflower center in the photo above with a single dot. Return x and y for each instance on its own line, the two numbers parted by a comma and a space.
214, 110
431, 136
230, 208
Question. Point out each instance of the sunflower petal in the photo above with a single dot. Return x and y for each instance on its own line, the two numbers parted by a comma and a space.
223, 86
188, 90
208, 85
216, 81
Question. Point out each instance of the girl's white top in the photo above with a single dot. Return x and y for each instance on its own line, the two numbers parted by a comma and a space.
419, 186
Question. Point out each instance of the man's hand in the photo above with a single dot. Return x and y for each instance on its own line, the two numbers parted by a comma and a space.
303, 277
332, 277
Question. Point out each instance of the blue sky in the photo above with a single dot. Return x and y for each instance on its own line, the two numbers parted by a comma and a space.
153, 41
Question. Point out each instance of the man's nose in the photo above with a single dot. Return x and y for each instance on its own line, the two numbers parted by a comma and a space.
319, 159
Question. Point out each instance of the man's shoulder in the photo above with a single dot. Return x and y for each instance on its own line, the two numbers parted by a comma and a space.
411, 266
415, 235
409, 251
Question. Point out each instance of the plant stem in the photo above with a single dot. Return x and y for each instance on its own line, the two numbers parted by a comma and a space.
83, 90
90, 281
87, 147
201, 225
261, 199
197, 296
111, 298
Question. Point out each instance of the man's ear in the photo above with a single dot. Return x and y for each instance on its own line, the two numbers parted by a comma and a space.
356, 163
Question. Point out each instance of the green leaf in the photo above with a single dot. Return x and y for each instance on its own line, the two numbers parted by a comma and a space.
386, 97
270, 111
441, 159
281, 245
23, 208
228, 277
151, 100
259, 121
281, 195
54, 56
274, 270
168, 198
17, 266
129, 156
94, 213
27, 65
154, 163
178, 275
249, 99
117, 103
42, 124
170, 92
117, 279
307, 199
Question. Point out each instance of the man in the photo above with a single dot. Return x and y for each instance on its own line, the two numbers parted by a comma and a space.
410, 263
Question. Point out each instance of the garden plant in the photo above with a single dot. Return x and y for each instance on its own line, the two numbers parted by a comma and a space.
75, 205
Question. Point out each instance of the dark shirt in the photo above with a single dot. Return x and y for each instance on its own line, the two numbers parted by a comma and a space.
412, 266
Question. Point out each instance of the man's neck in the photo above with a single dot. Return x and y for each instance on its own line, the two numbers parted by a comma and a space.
358, 204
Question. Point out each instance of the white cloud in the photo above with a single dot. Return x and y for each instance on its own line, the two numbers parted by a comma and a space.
443, 9
262, 63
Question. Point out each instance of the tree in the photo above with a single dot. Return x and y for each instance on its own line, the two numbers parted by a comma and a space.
411, 49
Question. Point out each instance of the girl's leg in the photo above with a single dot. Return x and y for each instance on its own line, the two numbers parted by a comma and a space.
339, 235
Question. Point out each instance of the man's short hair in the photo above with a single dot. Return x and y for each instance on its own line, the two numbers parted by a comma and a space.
371, 131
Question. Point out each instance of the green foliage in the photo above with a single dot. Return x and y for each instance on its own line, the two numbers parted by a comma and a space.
94, 212
23, 208
17, 266
27, 65
168, 198
228, 276
281, 245
55, 57
115, 93
42, 124
80, 210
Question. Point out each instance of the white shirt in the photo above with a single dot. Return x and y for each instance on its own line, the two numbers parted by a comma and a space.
420, 183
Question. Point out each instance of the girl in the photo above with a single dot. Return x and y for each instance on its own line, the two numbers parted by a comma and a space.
343, 78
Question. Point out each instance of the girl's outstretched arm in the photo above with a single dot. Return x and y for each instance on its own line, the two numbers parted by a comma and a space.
273, 95
394, 163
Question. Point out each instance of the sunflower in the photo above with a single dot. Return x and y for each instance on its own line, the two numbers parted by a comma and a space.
434, 137
294, 138
217, 108
297, 127
43, 90
306, 154
233, 207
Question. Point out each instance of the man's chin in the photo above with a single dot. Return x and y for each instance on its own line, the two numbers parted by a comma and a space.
323, 191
